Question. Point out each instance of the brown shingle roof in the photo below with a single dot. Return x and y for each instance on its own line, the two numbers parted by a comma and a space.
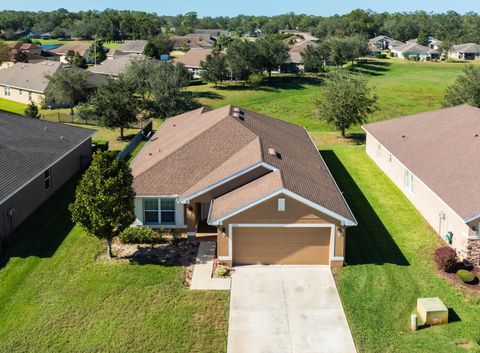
191, 151
133, 46
442, 149
194, 57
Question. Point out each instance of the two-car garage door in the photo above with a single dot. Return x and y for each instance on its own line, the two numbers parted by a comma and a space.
288, 246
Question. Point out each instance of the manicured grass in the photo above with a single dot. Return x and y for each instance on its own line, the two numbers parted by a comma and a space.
390, 265
57, 297
12, 107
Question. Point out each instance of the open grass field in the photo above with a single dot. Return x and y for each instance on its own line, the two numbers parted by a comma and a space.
110, 45
390, 265
402, 88
57, 297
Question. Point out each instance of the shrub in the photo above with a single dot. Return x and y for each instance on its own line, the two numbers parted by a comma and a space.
100, 145
392, 54
446, 259
465, 276
140, 235
222, 271
255, 79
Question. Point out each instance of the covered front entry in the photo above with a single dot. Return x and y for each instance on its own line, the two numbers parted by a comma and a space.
281, 245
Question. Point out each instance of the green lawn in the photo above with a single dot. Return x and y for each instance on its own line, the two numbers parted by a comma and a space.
390, 264
402, 88
56, 297
12, 107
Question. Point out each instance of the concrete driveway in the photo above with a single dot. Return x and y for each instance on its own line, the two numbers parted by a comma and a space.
286, 309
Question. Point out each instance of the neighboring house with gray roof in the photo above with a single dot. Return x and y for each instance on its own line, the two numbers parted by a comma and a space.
409, 49
26, 82
433, 159
78, 47
385, 42
133, 47
432, 42
468, 51
114, 66
36, 157
256, 183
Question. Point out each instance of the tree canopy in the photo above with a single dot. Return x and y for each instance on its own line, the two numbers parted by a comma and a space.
346, 100
214, 68
272, 52
466, 89
103, 204
67, 87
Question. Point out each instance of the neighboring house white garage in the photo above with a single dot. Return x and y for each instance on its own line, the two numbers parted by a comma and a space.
433, 158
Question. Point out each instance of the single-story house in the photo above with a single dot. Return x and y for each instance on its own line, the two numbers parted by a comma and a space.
78, 47
294, 62
409, 49
33, 52
468, 51
384, 42
373, 50
192, 60
114, 66
133, 47
37, 158
258, 184
433, 159
433, 43
307, 36
113, 53
26, 82
204, 41
215, 33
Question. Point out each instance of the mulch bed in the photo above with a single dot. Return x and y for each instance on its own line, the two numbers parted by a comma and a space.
474, 287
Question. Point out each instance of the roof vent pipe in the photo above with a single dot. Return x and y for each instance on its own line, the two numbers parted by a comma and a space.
271, 151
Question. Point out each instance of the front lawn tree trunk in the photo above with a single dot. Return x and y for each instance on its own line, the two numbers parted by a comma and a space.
109, 248
121, 133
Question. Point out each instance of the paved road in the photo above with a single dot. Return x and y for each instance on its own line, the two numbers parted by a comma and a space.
287, 309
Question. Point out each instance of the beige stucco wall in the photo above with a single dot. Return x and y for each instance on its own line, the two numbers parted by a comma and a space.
267, 213
26, 200
21, 96
460, 56
426, 202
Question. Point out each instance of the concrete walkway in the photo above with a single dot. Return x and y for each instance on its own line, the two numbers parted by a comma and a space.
287, 309
202, 271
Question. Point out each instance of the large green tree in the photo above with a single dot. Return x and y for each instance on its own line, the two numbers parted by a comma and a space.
67, 87
272, 53
96, 52
160, 88
158, 46
243, 58
4, 52
114, 105
314, 58
346, 100
214, 68
103, 204
466, 89
75, 59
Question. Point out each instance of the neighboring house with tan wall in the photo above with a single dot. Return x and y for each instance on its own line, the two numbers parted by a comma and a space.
25, 82
193, 59
256, 183
467, 51
78, 47
433, 158
37, 158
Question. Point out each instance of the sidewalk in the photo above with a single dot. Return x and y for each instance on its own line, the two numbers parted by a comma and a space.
202, 271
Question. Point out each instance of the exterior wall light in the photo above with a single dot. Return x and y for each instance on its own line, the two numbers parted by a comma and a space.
223, 232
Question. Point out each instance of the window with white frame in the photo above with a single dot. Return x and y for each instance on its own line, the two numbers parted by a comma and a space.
30, 96
159, 211
379, 150
409, 181
281, 205
6, 91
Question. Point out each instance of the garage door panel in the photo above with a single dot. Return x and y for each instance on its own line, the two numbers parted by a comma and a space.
289, 246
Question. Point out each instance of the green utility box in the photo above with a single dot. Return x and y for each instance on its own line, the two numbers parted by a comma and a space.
431, 311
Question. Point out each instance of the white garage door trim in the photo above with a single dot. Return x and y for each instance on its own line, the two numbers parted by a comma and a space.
280, 225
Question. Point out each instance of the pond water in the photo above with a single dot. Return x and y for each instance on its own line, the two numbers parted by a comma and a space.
50, 46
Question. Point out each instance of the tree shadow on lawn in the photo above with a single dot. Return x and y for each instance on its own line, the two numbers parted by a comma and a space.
369, 242
208, 95
275, 83
372, 68
41, 234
